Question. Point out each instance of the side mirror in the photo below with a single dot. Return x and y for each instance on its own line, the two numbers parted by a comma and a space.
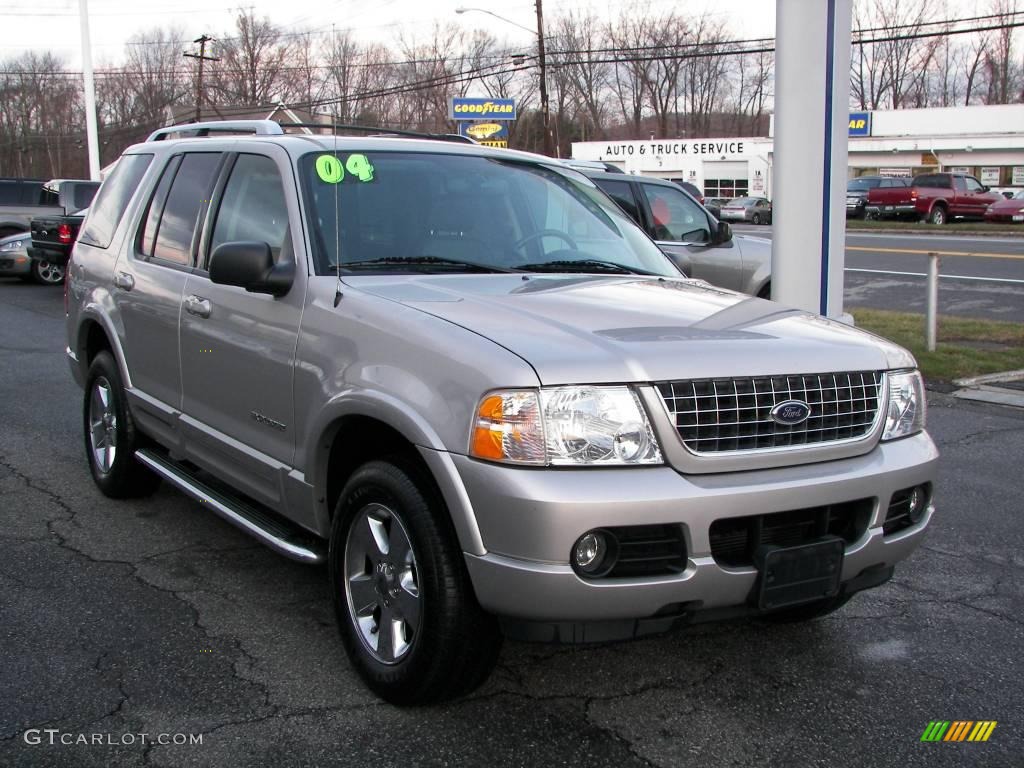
721, 233
250, 265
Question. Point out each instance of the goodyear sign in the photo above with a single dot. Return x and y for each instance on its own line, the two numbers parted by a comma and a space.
860, 123
467, 108
490, 134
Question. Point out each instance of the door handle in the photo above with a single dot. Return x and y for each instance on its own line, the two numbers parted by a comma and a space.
196, 305
124, 281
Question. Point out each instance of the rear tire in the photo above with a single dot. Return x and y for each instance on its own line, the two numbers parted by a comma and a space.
937, 215
756, 219
47, 273
110, 435
395, 563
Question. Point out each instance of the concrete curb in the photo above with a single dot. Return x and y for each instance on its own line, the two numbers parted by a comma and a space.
980, 388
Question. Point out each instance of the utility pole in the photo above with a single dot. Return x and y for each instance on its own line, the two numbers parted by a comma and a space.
199, 80
544, 111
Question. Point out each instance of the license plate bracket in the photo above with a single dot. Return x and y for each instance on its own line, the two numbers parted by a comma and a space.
790, 576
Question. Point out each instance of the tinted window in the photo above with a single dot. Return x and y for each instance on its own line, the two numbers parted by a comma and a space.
675, 216
82, 195
190, 191
937, 180
253, 205
113, 198
622, 193
864, 184
151, 221
10, 193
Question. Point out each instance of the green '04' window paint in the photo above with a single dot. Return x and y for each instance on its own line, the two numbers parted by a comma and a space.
331, 170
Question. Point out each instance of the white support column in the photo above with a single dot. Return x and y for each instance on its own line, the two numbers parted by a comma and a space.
812, 106
89, 84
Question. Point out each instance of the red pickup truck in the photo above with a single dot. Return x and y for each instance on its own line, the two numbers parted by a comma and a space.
933, 197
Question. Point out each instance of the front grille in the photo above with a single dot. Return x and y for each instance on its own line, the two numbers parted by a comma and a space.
720, 415
734, 540
648, 550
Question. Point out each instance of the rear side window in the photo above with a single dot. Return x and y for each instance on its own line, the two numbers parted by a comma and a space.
189, 193
112, 200
253, 205
82, 195
936, 180
622, 193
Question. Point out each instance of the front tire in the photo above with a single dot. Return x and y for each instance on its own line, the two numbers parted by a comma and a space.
47, 273
110, 435
403, 600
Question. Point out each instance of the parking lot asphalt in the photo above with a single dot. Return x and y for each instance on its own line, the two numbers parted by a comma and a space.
154, 617
887, 271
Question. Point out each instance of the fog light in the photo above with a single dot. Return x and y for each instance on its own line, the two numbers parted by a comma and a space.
589, 551
917, 504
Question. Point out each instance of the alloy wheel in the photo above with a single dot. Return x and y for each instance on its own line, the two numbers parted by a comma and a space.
382, 583
51, 274
102, 425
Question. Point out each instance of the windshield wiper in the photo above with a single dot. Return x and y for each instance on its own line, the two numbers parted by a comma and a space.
581, 265
425, 261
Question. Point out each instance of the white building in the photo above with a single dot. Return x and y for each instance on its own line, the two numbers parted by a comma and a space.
985, 141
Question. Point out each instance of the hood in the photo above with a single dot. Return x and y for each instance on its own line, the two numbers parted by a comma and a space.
1013, 205
590, 329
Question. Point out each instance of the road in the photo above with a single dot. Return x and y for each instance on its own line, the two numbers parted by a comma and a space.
886, 271
153, 616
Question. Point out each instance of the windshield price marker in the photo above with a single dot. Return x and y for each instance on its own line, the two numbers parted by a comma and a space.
331, 171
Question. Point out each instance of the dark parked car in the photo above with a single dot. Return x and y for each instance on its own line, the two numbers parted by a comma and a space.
857, 192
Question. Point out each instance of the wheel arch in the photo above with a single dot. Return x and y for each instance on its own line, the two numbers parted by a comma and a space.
361, 429
93, 336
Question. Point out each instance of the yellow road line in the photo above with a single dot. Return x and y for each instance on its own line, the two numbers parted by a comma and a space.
1014, 256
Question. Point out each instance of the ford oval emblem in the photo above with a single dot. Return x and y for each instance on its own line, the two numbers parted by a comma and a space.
790, 413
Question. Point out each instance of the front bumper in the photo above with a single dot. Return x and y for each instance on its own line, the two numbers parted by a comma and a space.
530, 518
14, 264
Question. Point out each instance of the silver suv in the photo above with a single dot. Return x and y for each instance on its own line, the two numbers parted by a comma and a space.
469, 383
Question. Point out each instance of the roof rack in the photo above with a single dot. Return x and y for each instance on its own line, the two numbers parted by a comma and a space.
258, 127
375, 130
273, 128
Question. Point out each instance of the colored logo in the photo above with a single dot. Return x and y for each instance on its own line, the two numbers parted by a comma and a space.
860, 124
484, 130
790, 413
958, 730
467, 108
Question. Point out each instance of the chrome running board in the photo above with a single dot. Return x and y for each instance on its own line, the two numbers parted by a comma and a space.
277, 534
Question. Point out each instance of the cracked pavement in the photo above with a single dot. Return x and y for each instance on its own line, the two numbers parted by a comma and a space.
153, 616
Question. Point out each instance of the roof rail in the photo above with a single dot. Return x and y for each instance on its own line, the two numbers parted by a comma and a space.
258, 127
379, 131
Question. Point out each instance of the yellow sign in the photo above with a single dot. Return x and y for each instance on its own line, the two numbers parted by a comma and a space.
927, 158
482, 131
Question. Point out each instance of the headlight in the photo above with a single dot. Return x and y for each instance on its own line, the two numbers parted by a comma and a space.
906, 411
566, 426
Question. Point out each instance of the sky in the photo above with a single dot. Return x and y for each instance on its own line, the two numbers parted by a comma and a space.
54, 24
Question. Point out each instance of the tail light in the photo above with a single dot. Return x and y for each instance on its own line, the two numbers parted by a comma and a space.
913, 194
64, 233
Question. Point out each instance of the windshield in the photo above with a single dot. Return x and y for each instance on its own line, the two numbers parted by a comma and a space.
742, 201
418, 212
